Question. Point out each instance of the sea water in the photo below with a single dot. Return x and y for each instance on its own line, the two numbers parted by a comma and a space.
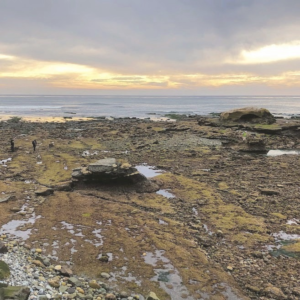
140, 106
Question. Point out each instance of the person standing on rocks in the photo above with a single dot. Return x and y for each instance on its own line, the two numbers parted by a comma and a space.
34, 143
12, 145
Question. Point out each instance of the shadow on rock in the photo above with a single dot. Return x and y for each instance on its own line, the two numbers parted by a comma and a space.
112, 173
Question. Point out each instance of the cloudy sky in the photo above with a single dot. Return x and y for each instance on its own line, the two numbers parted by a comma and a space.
193, 47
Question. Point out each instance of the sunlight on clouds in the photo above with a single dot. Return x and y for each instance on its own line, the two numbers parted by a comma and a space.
271, 53
6, 57
60, 68
70, 76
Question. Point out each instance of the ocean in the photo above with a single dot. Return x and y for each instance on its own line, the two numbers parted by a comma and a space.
140, 106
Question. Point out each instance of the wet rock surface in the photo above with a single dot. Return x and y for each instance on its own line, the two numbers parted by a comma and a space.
229, 230
109, 170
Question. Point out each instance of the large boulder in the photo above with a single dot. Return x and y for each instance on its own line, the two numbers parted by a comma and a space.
106, 165
108, 169
248, 115
116, 171
14, 293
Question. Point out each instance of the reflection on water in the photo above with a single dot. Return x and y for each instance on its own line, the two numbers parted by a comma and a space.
281, 235
293, 222
168, 276
282, 239
283, 152
4, 162
148, 171
12, 227
166, 194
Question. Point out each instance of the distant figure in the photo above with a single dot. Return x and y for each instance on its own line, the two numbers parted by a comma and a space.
12, 145
34, 142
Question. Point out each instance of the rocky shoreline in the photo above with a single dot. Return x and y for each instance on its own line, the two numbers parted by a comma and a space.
29, 268
211, 216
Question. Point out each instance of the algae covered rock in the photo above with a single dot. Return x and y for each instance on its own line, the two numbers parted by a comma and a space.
103, 165
253, 145
4, 270
14, 292
44, 191
114, 171
248, 115
275, 292
108, 169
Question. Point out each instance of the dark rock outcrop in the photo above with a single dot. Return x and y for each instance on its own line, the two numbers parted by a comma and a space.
252, 146
111, 170
3, 248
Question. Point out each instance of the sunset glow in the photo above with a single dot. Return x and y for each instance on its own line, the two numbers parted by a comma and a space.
190, 49
272, 53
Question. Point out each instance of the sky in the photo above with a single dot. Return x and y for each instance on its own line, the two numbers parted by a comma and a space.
150, 47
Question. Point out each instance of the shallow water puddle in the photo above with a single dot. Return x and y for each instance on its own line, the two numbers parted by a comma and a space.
76, 230
128, 277
73, 250
283, 152
166, 194
282, 239
207, 229
168, 277
97, 234
4, 162
148, 171
87, 153
283, 236
12, 227
162, 222
293, 222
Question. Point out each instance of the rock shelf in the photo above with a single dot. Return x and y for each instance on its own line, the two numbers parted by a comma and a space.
85, 226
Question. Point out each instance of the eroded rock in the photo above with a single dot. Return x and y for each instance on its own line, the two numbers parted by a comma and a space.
114, 171
248, 115
44, 191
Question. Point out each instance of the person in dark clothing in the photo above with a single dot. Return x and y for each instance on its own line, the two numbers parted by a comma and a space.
34, 142
12, 145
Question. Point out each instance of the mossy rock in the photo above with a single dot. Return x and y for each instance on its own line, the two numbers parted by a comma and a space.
15, 292
4, 270
248, 115
270, 129
293, 247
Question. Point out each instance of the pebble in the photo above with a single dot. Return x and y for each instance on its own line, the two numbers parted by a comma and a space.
47, 281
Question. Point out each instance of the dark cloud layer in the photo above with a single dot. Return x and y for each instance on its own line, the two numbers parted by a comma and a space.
132, 36
155, 37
